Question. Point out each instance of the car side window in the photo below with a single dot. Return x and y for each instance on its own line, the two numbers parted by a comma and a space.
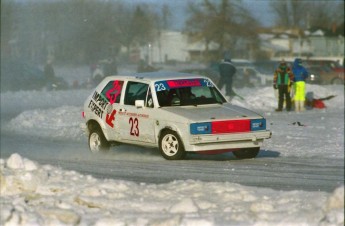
135, 91
112, 91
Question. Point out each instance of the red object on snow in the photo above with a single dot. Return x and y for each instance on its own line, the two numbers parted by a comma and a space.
318, 104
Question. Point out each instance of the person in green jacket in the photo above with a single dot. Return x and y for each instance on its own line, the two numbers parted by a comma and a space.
283, 80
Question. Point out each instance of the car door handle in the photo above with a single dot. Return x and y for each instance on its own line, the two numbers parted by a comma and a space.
122, 110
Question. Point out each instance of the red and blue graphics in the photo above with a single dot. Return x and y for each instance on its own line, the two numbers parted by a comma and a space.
180, 83
228, 126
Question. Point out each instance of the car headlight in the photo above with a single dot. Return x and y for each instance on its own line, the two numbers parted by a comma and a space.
201, 128
258, 124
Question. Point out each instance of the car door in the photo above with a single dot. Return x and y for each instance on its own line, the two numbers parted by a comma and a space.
112, 93
136, 124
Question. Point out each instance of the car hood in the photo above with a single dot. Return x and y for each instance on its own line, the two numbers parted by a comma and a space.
202, 113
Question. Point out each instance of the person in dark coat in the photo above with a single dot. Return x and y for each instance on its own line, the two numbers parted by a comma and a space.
283, 81
49, 71
227, 71
110, 67
49, 75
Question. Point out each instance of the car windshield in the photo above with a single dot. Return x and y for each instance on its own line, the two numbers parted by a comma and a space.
184, 92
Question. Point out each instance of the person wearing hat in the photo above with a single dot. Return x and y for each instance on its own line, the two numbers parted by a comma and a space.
300, 76
227, 71
283, 80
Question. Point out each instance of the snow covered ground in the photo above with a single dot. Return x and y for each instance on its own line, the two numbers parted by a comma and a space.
34, 194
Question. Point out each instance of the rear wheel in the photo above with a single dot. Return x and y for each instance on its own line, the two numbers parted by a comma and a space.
170, 146
97, 141
337, 81
247, 153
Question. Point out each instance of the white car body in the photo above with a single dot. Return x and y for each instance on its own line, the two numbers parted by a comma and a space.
153, 117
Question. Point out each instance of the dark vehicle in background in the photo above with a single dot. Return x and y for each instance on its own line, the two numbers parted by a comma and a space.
249, 76
314, 76
20, 75
326, 75
17, 74
330, 71
332, 64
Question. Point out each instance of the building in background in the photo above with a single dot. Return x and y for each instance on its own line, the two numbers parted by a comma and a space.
174, 46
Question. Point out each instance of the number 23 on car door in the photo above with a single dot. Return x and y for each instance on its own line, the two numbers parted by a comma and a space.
135, 122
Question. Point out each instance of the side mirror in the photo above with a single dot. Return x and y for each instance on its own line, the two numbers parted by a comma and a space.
139, 103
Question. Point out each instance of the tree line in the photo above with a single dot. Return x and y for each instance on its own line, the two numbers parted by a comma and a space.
82, 31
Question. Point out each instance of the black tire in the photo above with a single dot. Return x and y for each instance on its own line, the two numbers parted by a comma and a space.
246, 153
171, 146
97, 141
337, 81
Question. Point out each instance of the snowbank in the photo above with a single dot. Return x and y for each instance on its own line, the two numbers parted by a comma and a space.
32, 194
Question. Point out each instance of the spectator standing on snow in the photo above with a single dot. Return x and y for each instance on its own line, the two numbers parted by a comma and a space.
97, 75
49, 73
227, 71
49, 70
300, 76
283, 80
110, 67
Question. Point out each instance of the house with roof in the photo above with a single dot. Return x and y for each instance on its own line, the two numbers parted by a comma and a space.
313, 43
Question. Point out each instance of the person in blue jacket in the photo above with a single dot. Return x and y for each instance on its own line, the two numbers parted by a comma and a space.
300, 76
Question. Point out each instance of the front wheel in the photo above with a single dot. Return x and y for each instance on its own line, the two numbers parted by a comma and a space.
170, 146
247, 153
97, 141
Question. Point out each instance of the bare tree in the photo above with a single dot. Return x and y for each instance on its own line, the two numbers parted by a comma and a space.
78, 30
166, 16
305, 14
225, 23
7, 25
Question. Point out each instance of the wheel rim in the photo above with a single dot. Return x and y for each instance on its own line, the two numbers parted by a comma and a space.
170, 145
95, 142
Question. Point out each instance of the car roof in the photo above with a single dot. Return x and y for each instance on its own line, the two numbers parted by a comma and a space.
156, 76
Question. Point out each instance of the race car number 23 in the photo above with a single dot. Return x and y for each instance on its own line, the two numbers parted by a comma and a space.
160, 87
134, 122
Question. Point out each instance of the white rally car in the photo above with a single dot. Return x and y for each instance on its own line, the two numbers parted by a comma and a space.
176, 112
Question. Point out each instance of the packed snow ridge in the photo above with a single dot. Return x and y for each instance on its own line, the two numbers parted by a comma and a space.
33, 194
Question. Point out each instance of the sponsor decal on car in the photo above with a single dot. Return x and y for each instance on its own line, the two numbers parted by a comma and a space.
109, 119
180, 83
101, 101
95, 109
112, 93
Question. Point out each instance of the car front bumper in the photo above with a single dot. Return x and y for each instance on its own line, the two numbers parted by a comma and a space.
226, 141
